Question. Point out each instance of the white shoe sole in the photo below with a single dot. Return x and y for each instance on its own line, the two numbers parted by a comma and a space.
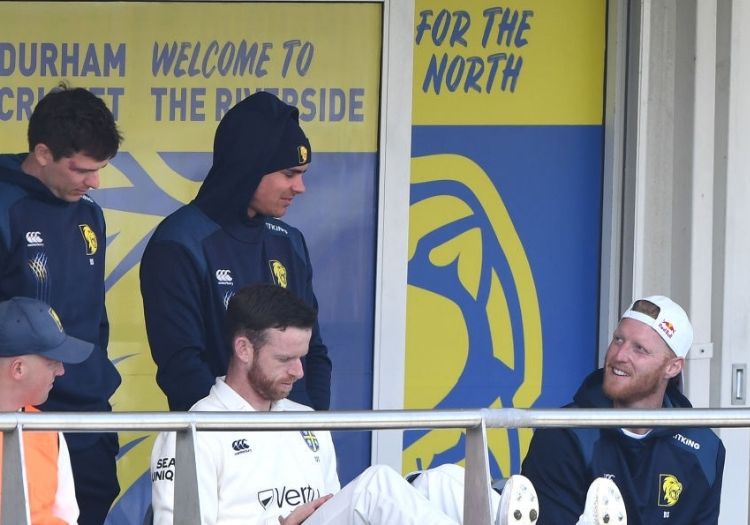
518, 503
604, 504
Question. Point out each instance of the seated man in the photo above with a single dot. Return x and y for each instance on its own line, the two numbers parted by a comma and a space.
663, 473
33, 348
290, 476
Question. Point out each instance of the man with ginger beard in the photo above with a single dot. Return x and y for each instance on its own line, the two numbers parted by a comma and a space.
663, 473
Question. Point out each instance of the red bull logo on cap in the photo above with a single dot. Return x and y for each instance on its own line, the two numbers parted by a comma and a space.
667, 327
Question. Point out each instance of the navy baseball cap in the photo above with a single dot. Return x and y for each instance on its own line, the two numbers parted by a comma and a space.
28, 326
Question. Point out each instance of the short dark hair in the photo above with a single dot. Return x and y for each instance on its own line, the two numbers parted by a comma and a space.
255, 309
646, 307
74, 120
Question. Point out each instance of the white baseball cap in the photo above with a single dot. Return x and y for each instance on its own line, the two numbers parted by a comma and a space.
671, 323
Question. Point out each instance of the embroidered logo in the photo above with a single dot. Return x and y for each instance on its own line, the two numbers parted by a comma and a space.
670, 489
34, 239
311, 440
240, 446
302, 154
228, 297
38, 267
55, 318
224, 277
279, 272
667, 327
89, 237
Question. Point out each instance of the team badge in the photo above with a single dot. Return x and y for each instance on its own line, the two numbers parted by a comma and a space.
89, 238
279, 272
310, 440
55, 318
670, 489
302, 154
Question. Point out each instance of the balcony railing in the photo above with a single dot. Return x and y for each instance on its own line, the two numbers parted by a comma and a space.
186, 424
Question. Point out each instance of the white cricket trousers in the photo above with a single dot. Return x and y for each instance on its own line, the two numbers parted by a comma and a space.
380, 496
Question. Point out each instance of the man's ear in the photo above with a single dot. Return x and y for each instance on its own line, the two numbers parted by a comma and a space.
674, 367
42, 154
17, 368
243, 349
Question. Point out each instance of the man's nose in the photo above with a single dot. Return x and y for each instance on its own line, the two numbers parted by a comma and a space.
298, 186
296, 369
92, 180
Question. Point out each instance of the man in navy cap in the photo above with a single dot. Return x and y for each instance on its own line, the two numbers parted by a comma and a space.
33, 350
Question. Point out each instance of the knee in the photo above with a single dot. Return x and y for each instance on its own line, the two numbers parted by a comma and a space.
383, 472
450, 470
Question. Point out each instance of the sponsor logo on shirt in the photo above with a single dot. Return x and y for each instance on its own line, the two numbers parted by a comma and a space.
89, 237
224, 277
276, 228
291, 497
278, 271
310, 440
34, 239
687, 441
164, 470
670, 489
240, 446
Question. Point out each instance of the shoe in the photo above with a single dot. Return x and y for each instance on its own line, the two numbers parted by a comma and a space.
604, 504
518, 503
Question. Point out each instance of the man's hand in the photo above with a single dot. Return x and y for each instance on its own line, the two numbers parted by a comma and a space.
303, 512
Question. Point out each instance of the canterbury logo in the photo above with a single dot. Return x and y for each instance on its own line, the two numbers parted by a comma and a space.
34, 238
240, 445
224, 276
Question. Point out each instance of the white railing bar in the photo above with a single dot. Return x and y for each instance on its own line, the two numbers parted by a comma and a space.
165, 421
377, 419
610, 417
14, 480
476, 490
477, 478
187, 508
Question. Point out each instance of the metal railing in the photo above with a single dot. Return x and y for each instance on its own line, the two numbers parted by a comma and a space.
186, 424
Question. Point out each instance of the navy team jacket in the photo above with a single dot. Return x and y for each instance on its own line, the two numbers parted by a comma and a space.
203, 253
671, 476
53, 250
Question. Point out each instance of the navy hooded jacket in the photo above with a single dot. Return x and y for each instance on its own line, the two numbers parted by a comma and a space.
201, 254
672, 475
53, 250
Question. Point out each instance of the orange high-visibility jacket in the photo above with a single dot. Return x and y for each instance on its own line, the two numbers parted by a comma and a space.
49, 479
